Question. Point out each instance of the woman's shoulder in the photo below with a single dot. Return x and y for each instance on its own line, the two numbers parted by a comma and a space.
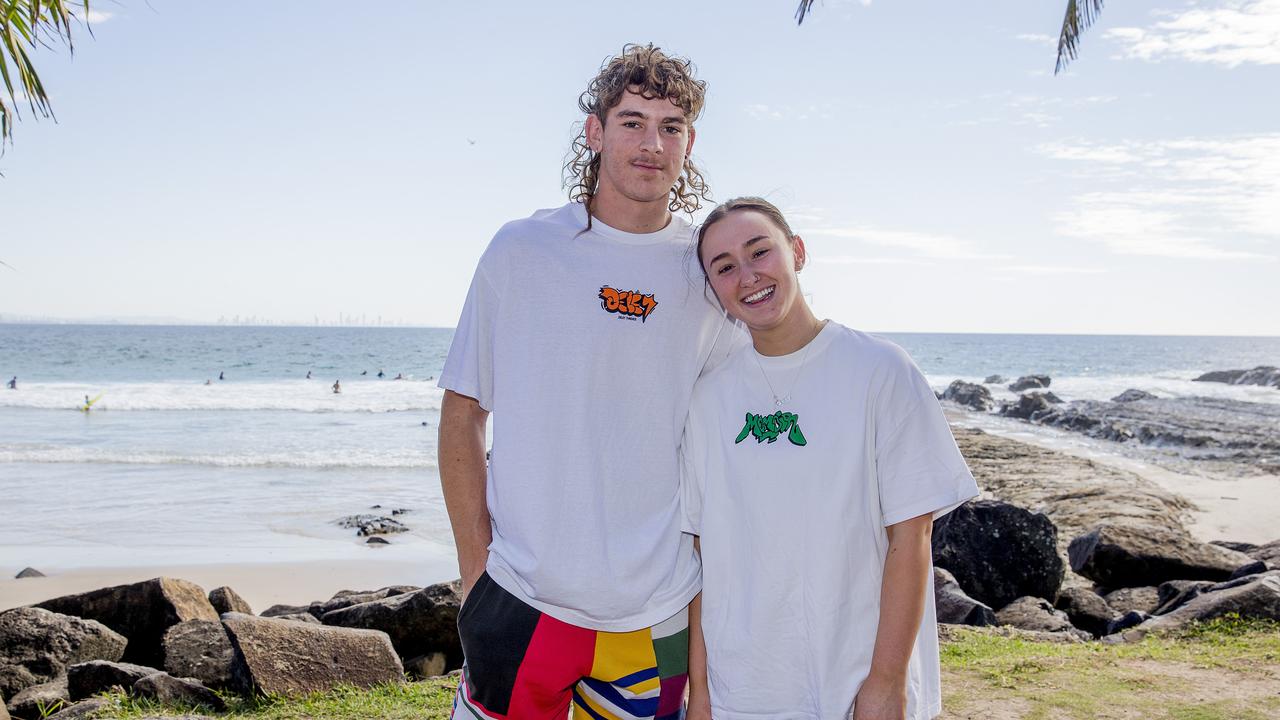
871, 351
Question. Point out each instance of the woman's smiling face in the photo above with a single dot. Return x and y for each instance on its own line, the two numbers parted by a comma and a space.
752, 265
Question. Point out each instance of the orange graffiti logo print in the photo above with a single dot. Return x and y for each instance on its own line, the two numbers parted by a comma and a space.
629, 304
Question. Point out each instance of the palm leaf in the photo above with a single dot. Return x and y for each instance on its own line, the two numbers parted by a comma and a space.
1079, 17
24, 25
805, 7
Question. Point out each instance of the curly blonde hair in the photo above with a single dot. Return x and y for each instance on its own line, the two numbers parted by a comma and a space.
657, 75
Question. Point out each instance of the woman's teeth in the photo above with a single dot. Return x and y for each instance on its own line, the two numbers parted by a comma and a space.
758, 296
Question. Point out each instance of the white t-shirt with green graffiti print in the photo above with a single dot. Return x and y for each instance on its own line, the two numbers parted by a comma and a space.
791, 503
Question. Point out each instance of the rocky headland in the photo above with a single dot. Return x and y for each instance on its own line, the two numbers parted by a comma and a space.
1223, 435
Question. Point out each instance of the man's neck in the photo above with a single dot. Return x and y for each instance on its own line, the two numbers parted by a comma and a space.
628, 215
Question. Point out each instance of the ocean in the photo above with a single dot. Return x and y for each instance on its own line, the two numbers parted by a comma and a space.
173, 465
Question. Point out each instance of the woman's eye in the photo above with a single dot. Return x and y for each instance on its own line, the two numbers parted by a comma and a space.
724, 269
759, 253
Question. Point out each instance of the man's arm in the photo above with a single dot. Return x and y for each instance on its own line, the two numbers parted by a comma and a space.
699, 692
462, 478
883, 695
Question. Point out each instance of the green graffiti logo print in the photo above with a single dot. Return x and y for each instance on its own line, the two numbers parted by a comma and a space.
767, 428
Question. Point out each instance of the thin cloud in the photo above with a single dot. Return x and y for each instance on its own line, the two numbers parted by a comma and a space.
1231, 33
1039, 39
1190, 198
1049, 270
920, 244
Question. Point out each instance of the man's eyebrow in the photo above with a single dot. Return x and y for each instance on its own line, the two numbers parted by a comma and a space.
669, 120
748, 243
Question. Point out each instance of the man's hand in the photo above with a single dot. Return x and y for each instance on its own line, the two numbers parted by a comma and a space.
881, 698
462, 478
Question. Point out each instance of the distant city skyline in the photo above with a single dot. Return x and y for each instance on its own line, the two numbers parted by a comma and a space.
329, 163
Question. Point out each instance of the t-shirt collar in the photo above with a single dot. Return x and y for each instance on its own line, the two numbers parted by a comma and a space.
604, 230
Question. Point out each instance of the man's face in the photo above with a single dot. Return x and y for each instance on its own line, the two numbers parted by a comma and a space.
642, 145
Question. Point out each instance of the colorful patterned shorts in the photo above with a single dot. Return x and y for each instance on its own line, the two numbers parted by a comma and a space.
525, 665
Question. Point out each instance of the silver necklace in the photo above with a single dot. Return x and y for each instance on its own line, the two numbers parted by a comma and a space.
780, 401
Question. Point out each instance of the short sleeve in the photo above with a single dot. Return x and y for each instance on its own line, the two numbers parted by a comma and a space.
692, 484
918, 466
469, 368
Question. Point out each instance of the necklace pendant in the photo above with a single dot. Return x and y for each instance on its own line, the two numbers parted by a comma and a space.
780, 401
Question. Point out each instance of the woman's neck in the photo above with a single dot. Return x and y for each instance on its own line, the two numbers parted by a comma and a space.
800, 328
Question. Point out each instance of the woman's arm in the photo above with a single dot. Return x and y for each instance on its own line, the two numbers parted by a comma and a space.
883, 695
699, 693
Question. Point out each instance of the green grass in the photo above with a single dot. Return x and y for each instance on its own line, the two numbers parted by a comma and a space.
1219, 670
425, 700
1226, 669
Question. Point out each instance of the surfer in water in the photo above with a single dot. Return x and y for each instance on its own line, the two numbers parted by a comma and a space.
308, 374
13, 384
221, 375
337, 388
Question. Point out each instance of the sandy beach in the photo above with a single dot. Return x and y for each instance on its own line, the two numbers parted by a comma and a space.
261, 585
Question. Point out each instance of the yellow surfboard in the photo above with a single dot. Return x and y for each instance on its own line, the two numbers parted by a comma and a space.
89, 404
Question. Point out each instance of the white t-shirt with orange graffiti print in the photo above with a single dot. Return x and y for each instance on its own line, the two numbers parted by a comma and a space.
792, 502
585, 347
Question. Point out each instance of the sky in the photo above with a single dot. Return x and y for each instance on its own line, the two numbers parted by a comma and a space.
295, 162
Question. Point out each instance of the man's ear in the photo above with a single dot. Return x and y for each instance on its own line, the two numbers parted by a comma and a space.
595, 133
797, 249
688, 149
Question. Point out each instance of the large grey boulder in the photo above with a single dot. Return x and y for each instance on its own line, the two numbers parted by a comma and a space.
85, 709
37, 701
283, 610
347, 598
88, 679
280, 656
1032, 613
1086, 610
1029, 382
1032, 406
37, 645
1133, 556
225, 600
141, 612
953, 606
1174, 594
969, 395
1261, 375
199, 649
1142, 599
164, 688
1132, 395
1259, 597
418, 623
999, 552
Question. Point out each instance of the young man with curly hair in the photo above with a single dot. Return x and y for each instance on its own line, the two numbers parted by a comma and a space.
582, 334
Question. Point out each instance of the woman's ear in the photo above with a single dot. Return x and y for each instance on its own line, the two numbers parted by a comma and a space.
797, 249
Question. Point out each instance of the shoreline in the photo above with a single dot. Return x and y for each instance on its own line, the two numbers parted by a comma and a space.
1239, 508
260, 584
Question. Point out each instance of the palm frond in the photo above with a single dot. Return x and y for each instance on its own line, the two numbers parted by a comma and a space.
803, 10
28, 24
1079, 17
